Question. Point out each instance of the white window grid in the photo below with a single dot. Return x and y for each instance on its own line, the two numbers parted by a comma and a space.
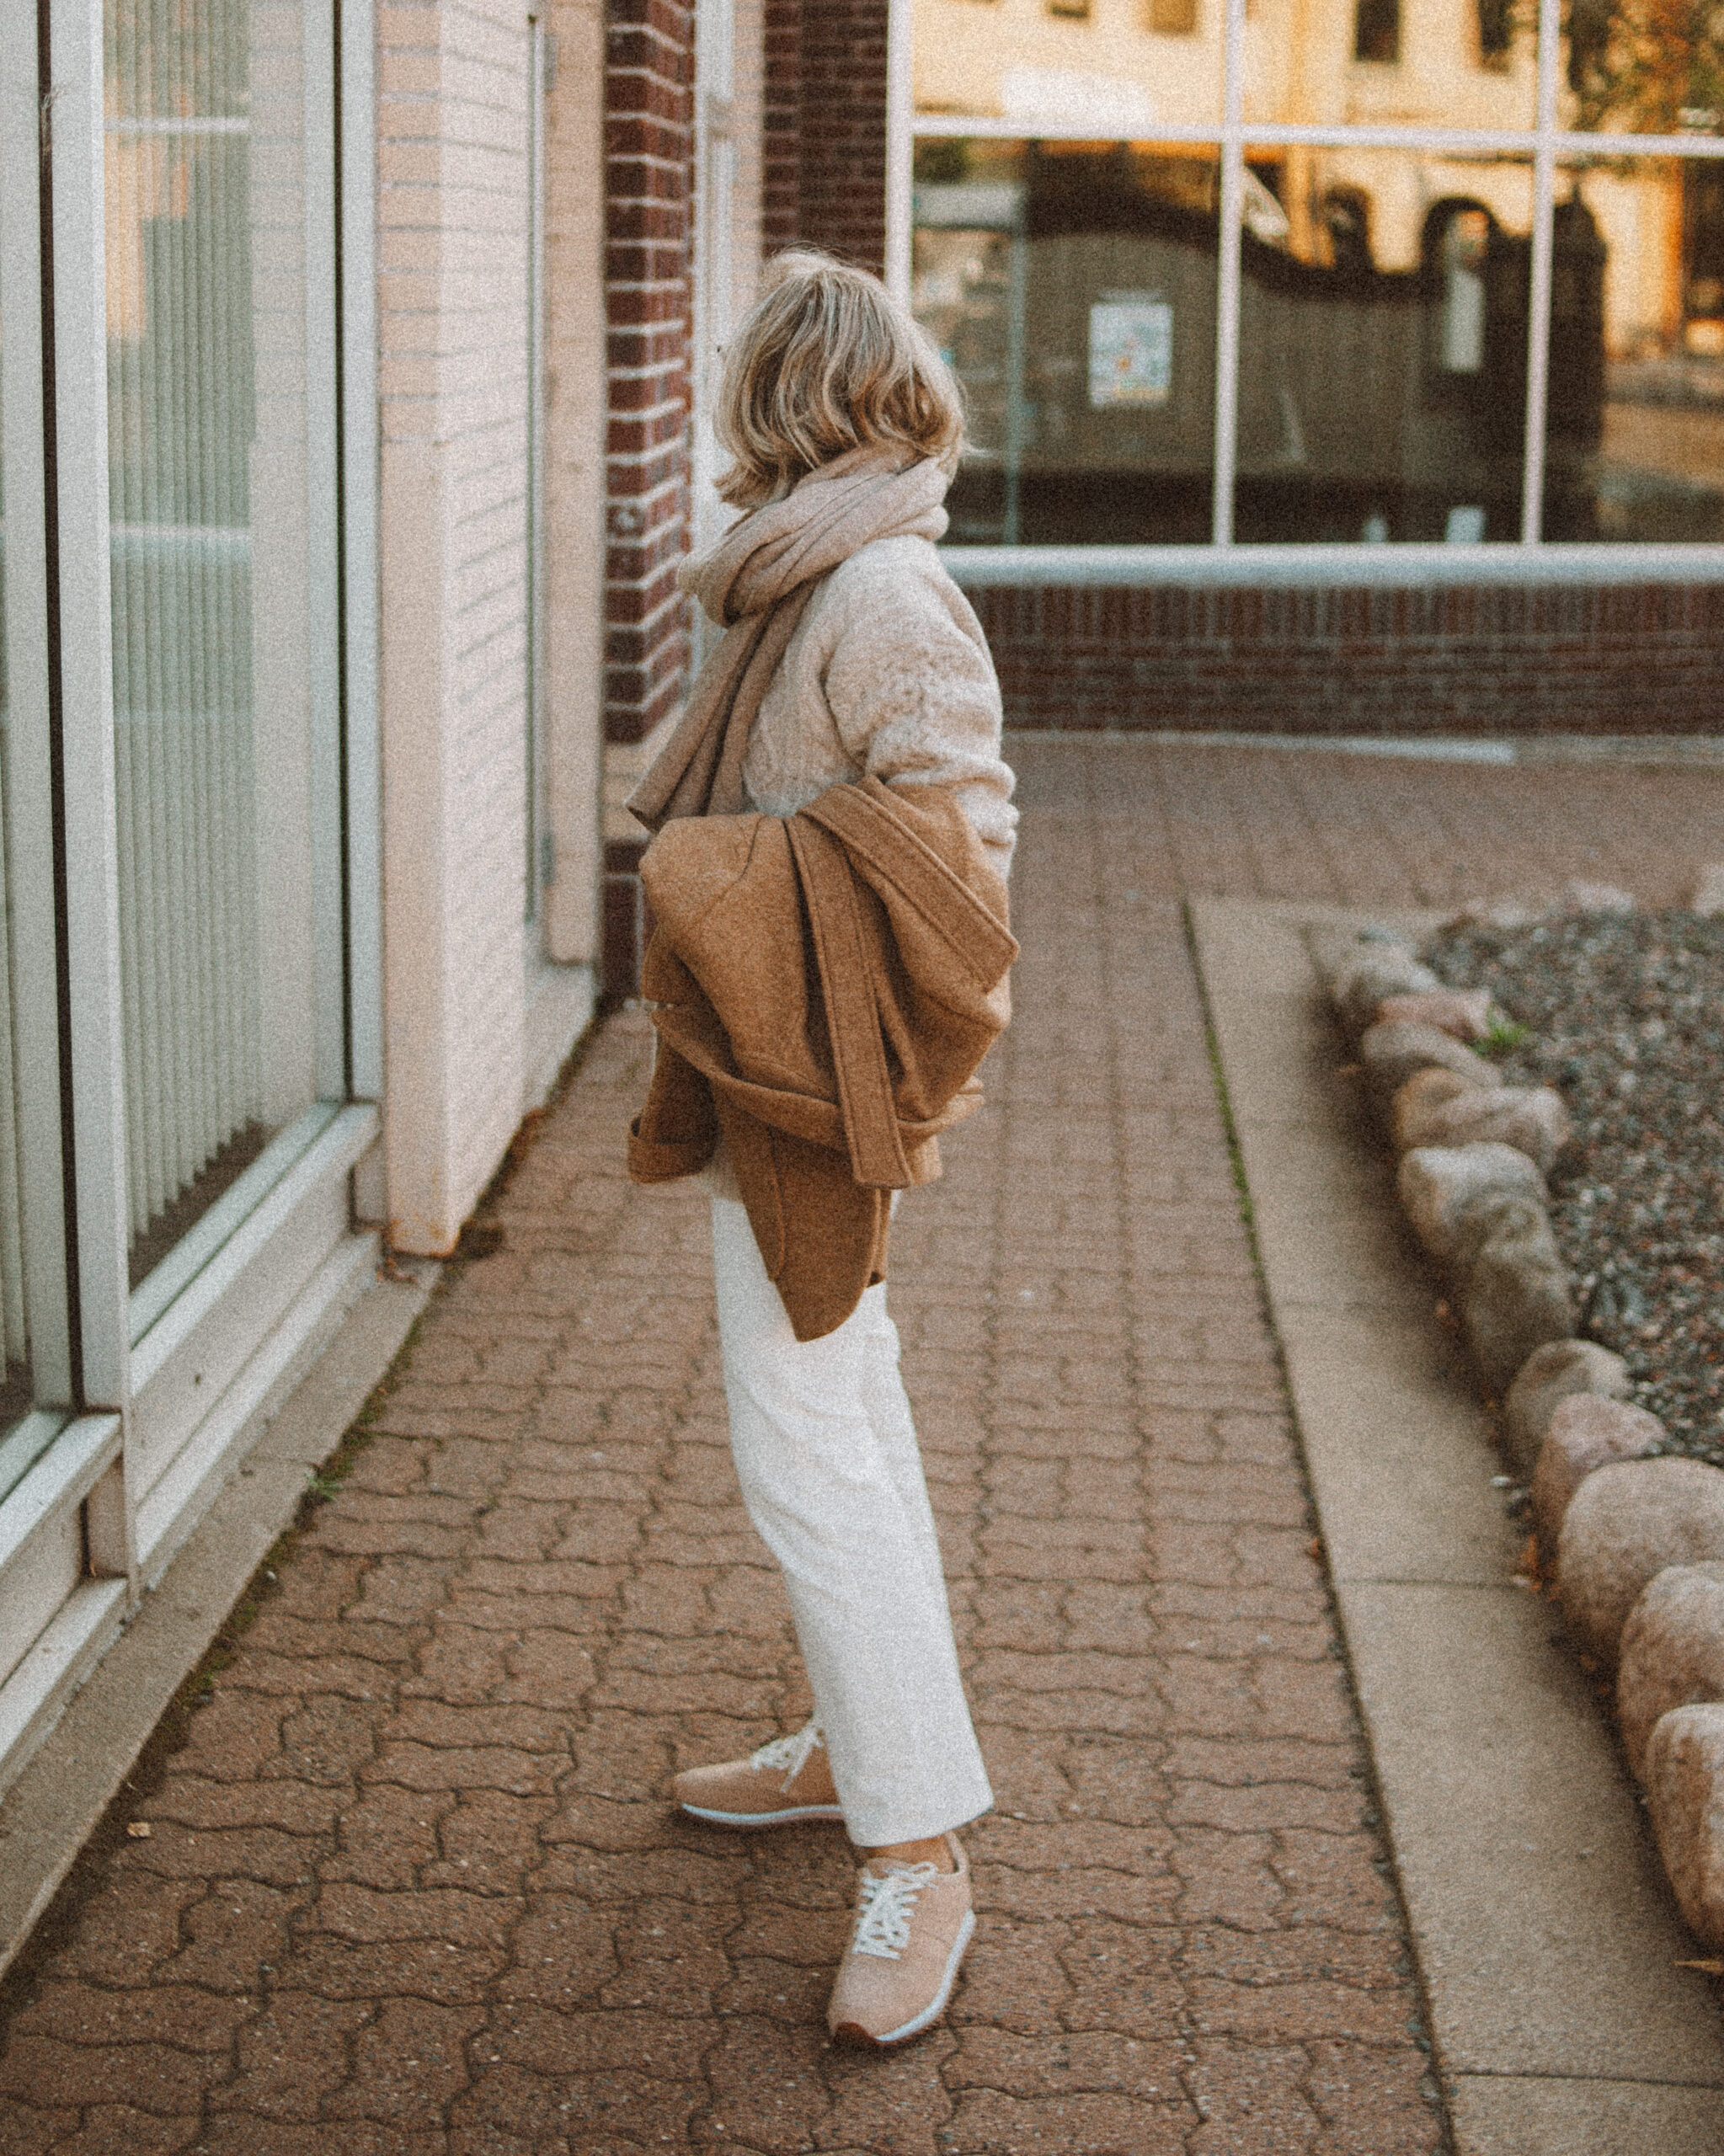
1546, 142
99, 1350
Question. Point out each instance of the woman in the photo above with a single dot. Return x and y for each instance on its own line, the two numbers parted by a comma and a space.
851, 655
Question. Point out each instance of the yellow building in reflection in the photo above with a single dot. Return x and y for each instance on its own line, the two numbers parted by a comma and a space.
1126, 68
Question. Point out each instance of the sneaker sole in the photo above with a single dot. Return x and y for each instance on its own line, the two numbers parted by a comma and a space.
852, 2032
763, 1818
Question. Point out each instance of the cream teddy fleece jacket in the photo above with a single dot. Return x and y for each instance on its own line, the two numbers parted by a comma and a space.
886, 676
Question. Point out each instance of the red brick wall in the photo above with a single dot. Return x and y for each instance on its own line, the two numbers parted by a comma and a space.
825, 127
649, 302
1452, 659
782, 124
842, 186
649, 198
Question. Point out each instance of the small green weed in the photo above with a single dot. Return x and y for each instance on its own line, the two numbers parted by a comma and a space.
1501, 1035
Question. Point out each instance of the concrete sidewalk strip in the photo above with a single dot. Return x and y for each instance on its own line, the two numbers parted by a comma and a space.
1547, 1937
1518, 2115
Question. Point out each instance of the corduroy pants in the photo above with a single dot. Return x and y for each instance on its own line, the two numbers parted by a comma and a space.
826, 1454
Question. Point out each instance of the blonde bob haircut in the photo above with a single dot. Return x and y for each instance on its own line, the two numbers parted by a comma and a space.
827, 361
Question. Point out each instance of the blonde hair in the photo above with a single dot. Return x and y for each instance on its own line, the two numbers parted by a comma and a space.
827, 361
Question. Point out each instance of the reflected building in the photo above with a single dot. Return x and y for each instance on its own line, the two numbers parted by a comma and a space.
1066, 254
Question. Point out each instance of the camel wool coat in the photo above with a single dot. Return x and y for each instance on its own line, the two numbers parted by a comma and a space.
824, 985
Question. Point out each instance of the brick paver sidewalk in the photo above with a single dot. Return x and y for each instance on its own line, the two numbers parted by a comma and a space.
409, 1888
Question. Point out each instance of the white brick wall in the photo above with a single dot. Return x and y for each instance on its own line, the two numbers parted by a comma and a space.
452, 210
573, 468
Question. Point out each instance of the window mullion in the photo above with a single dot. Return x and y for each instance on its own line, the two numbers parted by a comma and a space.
900, 123
85, 658
323, 595
1538, 338
30, 897
362, 817
1227, 276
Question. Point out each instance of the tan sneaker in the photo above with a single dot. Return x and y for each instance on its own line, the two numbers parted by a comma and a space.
789, 1778
912, 1924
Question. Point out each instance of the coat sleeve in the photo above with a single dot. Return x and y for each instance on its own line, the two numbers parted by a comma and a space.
676, 1132
912, 688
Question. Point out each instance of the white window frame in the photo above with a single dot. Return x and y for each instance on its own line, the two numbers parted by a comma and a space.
1546, 142
150, 1397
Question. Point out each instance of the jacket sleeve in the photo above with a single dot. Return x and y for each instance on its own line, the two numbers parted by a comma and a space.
912, 688
676, 1132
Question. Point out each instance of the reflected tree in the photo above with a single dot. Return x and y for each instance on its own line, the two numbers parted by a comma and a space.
1646, 66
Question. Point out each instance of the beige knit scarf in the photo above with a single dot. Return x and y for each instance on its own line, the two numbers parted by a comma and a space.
756, 583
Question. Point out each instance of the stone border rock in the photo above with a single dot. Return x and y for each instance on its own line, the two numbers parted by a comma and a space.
1611, 1516
1563, 2020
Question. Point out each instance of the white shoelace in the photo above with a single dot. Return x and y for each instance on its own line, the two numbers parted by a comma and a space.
883, 1921
792, 1753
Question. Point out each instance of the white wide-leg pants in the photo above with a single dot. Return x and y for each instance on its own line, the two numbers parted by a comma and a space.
826, 1454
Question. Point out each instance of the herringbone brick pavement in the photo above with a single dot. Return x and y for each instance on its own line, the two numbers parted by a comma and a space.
410, 1888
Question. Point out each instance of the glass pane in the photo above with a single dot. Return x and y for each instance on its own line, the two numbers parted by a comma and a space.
1116, 67
1388, 63
1642, 66
211, 562
1382, 350
1635, 443
14, 1379
1072, 286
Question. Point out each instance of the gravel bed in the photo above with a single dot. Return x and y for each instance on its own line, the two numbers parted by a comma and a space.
1625, 1016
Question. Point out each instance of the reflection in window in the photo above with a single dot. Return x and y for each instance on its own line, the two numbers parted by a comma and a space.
1588, 48
1656, 461
1382, 365
1644, 66
1496, 31
1703, 257
1073, 289
1462, 252
216, 567
1381, 389
1347, 227
1376, 31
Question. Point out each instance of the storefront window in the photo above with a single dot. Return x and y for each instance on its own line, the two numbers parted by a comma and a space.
218, 562
1382, 349
15, 1394
1415, 265
1072, 286
1648, 436
176, 1142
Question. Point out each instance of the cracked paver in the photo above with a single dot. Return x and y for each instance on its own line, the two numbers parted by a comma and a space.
410, 1889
